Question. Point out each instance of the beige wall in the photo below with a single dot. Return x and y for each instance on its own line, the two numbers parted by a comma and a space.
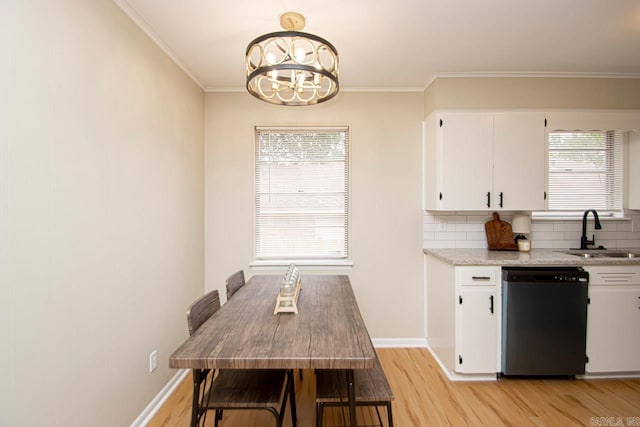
386, 234
551, 93
101, 222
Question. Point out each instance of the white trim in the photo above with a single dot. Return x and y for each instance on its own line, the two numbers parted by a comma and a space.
382, 89
433, 78
452, 376
608, 376
541, 75
152, 408
399, 342
443, 368
498, 74
213, 89
436, 76
144, 26
258, 264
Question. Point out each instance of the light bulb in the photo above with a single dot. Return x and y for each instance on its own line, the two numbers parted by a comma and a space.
271, 58
299, 54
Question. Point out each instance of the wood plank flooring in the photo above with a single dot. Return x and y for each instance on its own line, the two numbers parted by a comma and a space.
425, 397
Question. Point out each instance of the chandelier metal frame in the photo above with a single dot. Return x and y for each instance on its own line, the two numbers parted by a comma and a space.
292, 67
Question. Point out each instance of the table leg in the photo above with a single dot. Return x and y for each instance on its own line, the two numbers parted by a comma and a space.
351, 394
292, 397
195, 403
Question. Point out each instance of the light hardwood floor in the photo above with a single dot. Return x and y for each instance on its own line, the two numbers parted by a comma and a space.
425, 397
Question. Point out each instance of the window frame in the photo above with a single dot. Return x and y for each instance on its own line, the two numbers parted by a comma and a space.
548, 214
316, 263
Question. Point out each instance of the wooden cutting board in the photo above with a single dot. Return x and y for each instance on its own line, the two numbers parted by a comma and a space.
499, 234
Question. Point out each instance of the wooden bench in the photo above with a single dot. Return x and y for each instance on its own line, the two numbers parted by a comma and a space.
371, 389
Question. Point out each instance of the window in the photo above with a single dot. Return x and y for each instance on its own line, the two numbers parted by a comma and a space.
302, 194
585, 171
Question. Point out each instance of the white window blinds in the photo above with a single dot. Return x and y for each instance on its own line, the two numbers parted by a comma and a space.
302, 193
585, 171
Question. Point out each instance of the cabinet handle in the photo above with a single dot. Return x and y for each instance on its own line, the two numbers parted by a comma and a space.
481, 277
545, 195
491, 306
500, 204
489, 199
440, 196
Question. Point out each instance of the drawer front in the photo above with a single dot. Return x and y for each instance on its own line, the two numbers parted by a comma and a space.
477, 276
614, 275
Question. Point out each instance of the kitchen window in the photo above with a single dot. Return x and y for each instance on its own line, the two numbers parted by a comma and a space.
302, 195
584, 172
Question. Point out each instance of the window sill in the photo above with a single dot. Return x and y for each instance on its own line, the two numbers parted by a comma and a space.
307, 264
576, 217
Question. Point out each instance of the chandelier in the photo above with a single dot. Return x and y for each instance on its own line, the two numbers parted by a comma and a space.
292, 68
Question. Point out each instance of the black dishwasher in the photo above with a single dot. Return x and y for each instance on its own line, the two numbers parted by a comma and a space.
544, 320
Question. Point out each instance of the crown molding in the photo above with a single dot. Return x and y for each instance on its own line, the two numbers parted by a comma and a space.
348, 89
144, 26
518, 74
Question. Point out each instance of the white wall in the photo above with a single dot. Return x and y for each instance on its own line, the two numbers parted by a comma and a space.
386, 220
532, 92
101, 213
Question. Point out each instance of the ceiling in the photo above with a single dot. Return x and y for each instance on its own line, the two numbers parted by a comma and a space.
404, 44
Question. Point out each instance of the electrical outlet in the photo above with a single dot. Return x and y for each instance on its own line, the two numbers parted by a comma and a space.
153, 361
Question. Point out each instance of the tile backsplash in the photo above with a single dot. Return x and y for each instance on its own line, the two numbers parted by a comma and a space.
466, 230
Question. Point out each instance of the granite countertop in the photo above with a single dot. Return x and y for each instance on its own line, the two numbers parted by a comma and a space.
535, 257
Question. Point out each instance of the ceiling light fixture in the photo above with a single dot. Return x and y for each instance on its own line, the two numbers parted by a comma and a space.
292, 68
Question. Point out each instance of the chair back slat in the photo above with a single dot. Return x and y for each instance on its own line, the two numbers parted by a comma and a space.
202, 309
234, 283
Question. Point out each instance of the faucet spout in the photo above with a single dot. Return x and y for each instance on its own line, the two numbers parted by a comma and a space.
584, 241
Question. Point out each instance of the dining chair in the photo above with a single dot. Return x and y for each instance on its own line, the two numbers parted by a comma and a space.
233, 389
234, 283
371, 389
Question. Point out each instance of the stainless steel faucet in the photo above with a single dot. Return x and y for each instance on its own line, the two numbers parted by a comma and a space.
584, 242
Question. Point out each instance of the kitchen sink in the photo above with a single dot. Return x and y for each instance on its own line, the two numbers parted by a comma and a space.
601, 254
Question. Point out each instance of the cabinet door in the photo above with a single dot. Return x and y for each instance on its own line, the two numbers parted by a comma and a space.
466, 141
613, 329
519, 161
477, 331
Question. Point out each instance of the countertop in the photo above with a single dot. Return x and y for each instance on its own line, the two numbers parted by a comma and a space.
534, 257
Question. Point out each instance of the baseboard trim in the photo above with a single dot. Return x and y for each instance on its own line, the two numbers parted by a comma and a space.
157, 402
443, 368
399, 342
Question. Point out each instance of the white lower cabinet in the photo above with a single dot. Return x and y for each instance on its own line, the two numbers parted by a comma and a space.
463, 318
477, 307
613, 319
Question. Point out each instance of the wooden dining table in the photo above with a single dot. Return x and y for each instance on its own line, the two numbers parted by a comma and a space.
327, 333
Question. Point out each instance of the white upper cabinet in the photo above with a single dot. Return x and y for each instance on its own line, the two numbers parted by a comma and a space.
519, 161
484, 161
